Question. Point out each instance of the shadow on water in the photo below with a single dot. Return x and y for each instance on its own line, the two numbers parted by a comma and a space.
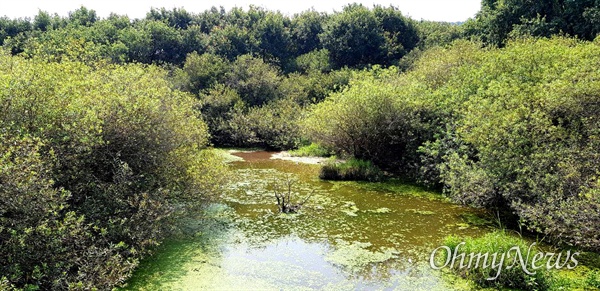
348, 236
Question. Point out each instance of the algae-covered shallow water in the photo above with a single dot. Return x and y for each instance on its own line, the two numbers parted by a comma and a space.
348, 235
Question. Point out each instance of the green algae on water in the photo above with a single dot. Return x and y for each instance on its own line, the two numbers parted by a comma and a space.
348, 235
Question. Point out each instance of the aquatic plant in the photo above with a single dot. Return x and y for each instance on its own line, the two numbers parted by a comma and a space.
312, 150
353, 169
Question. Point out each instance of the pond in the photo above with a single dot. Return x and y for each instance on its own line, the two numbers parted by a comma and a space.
347, 236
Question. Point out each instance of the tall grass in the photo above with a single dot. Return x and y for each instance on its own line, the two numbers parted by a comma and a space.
312, 150
353, 169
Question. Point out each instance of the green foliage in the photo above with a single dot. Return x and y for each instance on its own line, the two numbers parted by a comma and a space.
177, 18
533, 135
498, 242
593, 279
433, 33
216, 107
353, 37
387, 125
256, 81
499, 20
96, 162
358, 36
274, 125
399, 33
305, 30
230, 42
202, 72
351, 170
314, 61
154, 42
273, 35
83, 17
311, 150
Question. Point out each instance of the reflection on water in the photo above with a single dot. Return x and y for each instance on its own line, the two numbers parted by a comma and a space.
349, 235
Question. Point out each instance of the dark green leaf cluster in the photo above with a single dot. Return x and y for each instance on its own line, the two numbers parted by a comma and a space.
500, 20
249, 102
356, 36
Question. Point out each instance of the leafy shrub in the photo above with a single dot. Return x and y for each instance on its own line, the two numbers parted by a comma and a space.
96, 162
314, 61
217, 106
311, 150
256, 82
387, 131
498, 242
202, 72
276, 125
352, 170
315, 86
358, 36
273, 125
530, 137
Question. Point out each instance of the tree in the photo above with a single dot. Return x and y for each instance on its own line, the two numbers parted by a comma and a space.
274, 42
500, 19
151, 41
305, 30
399, 33
176, 18
12, 27
353, 37
230, 42
42, 21
96, 161
210, 19
202, 72
433, 33
83, 17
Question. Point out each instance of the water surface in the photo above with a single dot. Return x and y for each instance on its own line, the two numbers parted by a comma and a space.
348, 235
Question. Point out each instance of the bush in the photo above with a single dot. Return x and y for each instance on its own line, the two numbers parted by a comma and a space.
202, 72
314, 61
351, 170
217, 106
276, 124
515, 129
96, 163
387, 131
257, 82
273, 126
497, 242
315, 86
529, 137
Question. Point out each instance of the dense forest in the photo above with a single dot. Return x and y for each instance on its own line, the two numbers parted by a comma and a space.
106, 124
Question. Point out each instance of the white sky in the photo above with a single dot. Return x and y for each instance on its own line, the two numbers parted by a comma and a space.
438, 10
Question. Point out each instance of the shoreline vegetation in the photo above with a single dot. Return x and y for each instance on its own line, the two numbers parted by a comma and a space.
106, 124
